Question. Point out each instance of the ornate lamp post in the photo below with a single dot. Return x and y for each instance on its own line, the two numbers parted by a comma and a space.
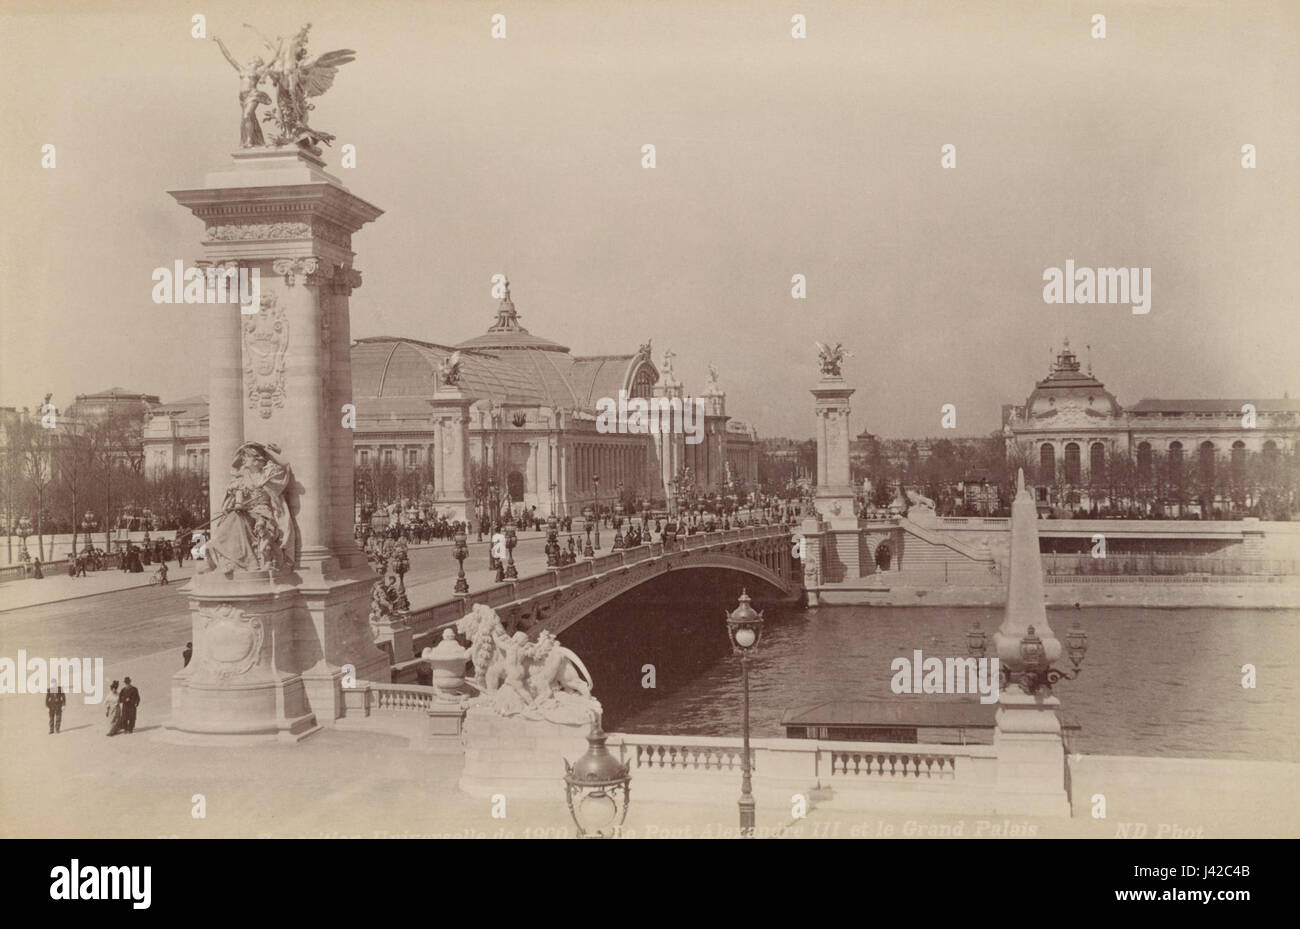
586, 523
597, 788
460, 551
511, 541
595, 479
88, 525
619, 541
745, 628
23, 530
552, 542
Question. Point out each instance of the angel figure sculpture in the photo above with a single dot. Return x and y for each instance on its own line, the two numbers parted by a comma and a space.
831, 358
296, 78
250, 96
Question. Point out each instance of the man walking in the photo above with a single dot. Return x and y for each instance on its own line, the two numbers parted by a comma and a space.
129, 698
187, 654
54, 701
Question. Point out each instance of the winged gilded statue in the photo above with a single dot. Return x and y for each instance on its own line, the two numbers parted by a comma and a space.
296, 78
831, 358
449, 370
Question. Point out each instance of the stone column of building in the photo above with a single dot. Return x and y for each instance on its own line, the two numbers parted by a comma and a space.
271, 644
451, 426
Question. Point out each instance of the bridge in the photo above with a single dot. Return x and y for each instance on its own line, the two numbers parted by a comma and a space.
555, 598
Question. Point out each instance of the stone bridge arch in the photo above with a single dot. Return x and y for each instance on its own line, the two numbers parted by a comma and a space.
558, 616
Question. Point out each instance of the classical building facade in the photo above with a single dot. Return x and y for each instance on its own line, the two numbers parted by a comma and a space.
1070, 429
532, 423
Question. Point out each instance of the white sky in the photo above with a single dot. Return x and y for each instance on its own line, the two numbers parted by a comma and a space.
775, 156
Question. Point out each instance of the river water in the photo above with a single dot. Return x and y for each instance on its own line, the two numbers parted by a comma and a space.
1155, 682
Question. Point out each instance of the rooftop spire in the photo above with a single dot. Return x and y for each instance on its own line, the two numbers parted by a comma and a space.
507, 318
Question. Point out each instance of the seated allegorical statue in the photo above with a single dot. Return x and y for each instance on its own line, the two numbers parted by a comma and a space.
256, 530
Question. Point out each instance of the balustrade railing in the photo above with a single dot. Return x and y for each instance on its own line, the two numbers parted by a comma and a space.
400, 698
918, 765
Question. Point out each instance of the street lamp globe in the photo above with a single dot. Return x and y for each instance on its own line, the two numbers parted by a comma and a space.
745, 626
597, 788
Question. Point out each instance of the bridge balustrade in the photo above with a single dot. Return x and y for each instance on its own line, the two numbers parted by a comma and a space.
670, 766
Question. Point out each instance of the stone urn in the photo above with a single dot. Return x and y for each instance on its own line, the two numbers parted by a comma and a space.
447, 662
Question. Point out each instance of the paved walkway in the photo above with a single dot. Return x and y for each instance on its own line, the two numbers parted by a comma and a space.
57, 586
372, 784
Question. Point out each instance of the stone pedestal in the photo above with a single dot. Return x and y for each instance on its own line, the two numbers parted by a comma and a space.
1031, 778
393, 634
280, 373
241, 684
518, 757
813, 530
451, 469
835, 492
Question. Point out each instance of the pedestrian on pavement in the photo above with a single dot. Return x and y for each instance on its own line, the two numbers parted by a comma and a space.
81, 566
162, 573
113, 709
187, 654
37, 574
130, 700
54, 701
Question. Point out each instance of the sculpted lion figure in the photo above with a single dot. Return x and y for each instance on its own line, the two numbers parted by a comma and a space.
537, 680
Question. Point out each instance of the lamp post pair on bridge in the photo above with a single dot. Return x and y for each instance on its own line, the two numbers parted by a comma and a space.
597, 785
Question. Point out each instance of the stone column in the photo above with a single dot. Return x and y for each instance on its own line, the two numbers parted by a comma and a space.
271, 643
451, 424
834, 498
225, 390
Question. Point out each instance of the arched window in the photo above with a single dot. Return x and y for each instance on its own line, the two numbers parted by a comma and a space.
1072, 463
1144, 461
1097, 463
1175, 461
642, 383
1046, 463
1207, 462
1238, 461
1270, 451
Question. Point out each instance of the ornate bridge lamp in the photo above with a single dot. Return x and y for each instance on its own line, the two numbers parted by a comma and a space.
586, 524
619, 541
1034, 673
552, 542
745, 628
511, 541
597, 788
460, 552
595, 479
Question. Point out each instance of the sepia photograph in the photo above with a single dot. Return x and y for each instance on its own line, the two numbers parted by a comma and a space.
649, 419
